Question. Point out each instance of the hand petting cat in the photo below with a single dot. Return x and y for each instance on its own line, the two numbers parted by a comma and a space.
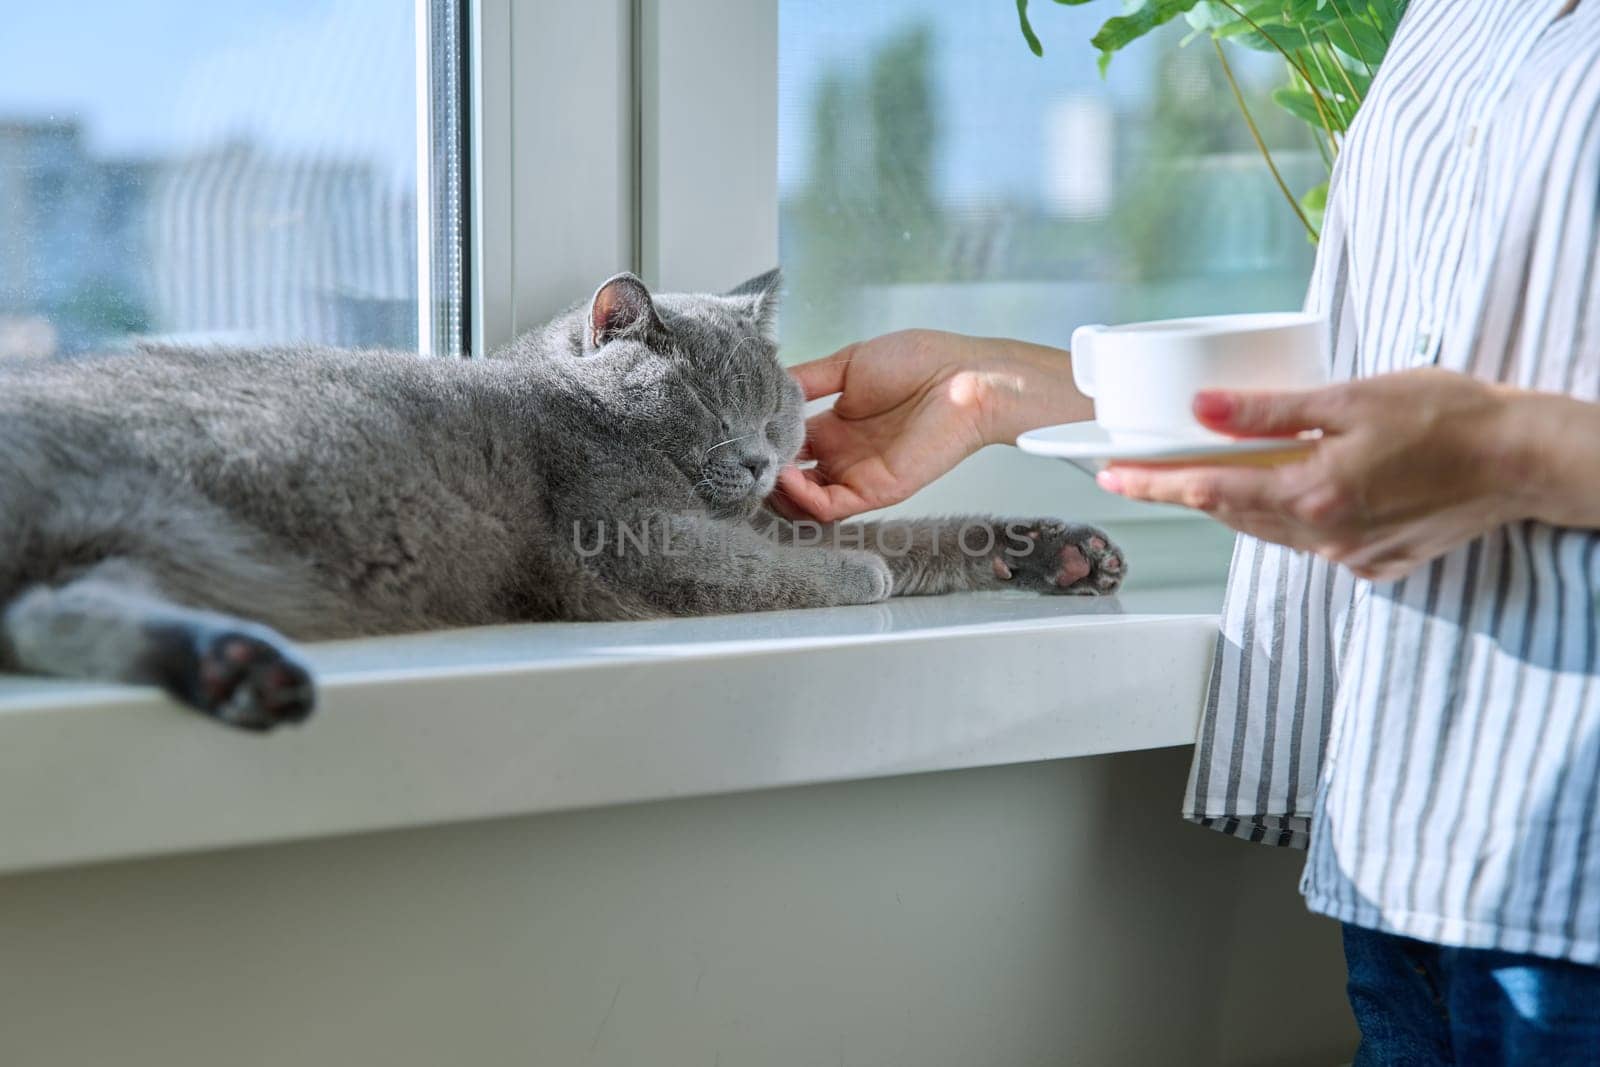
911, 406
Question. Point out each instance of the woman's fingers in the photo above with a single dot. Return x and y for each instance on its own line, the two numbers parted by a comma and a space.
1252, 414
809, 493
826, 436
1210, 489
794, 496
825, 376
778, 500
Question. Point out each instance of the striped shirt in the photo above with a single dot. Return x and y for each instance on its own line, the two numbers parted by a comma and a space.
1435, 741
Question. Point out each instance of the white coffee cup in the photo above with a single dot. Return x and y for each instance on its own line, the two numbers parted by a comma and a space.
1143, 376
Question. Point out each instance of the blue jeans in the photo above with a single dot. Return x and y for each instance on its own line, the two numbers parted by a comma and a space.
1420, 1004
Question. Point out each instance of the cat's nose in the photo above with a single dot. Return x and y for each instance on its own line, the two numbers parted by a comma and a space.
756, 465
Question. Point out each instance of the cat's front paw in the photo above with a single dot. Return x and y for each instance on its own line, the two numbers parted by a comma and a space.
864, 578
1057, 557
243, 677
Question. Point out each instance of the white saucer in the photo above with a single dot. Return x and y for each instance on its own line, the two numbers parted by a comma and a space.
1089, 442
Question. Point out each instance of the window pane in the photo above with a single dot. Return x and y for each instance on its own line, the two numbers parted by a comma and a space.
230, 173
933, 172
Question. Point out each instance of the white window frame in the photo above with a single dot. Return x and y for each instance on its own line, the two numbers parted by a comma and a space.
588, 116
554, 203
444, 276
709, 141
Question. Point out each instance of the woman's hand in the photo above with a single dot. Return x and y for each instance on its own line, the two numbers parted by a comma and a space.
911, 406
1410, 465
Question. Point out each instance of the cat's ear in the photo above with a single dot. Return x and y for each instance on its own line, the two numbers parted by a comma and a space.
761, 295
622, 307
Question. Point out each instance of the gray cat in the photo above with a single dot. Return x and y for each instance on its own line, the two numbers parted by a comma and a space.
166, 515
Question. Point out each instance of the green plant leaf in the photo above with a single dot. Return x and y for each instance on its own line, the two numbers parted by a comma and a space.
1271, 37
1359, 78
1327, 72
1027, 29
1208, 16
1315, 204
1358, 40
1386, 13
1302, 105
1245, 17
1119, 32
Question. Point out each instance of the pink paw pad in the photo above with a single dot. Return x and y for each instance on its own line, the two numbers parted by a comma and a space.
1001, 571
1074, 567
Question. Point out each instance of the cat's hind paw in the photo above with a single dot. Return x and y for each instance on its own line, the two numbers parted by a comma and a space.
1059, 558
247, 680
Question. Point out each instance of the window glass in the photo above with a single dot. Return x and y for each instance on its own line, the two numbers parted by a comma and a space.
933, 172
224, 173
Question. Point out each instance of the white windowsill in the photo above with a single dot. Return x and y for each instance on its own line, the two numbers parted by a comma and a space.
467, 724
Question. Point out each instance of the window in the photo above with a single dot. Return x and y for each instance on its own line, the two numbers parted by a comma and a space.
232, 173
933, 172
317, 170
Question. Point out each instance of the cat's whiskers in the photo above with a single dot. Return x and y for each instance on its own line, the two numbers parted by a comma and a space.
729, 441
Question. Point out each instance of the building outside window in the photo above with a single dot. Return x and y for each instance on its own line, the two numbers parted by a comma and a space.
243, 173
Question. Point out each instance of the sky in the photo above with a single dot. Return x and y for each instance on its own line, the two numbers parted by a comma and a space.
336, 77
158, 76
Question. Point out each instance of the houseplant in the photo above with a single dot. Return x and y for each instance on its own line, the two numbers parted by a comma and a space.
1331, 50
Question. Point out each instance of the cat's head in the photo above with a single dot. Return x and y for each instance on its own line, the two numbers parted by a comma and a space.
735, 415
